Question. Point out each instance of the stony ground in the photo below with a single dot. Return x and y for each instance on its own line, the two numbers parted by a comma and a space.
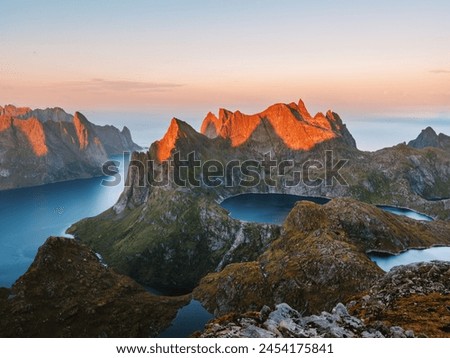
409, 301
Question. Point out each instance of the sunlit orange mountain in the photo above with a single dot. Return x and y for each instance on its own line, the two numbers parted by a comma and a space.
289, 123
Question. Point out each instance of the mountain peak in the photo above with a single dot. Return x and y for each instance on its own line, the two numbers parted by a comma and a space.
177, 129
302, 109
292, 123
12, 111
211, 125
427, 138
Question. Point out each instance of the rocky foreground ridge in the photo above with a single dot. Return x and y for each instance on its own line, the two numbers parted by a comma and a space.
68, 292
171, 236
409, 301
45, 146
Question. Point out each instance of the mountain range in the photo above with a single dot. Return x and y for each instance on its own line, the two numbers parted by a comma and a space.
169, 236
43, 146
259, 280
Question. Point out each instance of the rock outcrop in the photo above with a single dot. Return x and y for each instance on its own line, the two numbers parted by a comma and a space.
319, 260
409, 301
44, 146
68, 292
429, 138
285, 322
174, 240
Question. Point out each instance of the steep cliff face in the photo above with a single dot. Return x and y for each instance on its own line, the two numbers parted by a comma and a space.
68, 292
44, 146
319, 260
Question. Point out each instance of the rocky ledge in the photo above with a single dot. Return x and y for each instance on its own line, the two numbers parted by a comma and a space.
68, 292
285, 322
409, 301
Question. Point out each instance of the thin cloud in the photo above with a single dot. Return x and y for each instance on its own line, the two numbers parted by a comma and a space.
102, 85
441, 71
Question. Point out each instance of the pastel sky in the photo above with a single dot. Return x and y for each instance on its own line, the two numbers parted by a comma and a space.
372, 57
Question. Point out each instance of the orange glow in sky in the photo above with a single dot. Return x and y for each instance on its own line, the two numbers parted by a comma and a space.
200, 55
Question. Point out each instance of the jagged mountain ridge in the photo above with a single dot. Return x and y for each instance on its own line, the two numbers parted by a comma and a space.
282, 126
291, 122
50, 145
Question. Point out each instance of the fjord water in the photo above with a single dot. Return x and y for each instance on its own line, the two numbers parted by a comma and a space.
29, 216
274, 208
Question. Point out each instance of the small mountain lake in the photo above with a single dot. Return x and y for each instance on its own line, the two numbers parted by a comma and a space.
406, 212
386, 262
274, 208
265, 208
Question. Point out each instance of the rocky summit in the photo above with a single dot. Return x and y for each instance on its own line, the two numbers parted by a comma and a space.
69, 292
171, 234
290, 123
45, 146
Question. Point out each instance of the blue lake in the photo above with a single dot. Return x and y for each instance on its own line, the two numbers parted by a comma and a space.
274, 208
386, 262
406, 212
265, 208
